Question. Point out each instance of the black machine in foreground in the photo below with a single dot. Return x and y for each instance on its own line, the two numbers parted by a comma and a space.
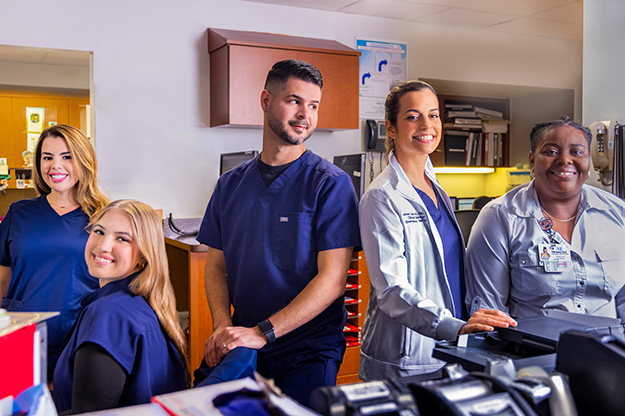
525, 370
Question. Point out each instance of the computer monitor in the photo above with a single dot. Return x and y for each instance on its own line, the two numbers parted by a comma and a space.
354, 165
595, 366
465, 203
229, 161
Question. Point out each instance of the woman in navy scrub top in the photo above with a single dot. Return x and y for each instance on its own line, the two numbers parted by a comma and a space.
414, 248
42, 240
126, 345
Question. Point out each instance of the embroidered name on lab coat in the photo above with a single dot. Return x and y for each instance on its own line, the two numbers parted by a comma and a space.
284, 219
414, 217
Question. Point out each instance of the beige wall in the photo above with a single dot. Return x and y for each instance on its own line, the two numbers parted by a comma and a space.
151, 78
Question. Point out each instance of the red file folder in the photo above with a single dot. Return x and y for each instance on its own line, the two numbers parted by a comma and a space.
16, 360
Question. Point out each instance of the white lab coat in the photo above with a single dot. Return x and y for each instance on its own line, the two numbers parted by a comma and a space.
410, 303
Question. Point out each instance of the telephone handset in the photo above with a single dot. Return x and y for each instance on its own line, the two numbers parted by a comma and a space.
375, 135
602, 148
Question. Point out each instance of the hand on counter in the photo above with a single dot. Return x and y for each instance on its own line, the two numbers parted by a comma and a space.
487, 320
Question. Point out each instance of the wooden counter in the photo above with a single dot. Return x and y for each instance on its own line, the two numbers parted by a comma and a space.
187, 259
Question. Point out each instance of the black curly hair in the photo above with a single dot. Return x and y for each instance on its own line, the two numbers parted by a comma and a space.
541, 129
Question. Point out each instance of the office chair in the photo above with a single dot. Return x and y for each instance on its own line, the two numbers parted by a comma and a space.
465, 219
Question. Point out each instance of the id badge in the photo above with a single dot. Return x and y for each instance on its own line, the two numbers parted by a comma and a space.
554, 258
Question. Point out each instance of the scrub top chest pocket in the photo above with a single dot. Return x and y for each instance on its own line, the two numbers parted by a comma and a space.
293, 236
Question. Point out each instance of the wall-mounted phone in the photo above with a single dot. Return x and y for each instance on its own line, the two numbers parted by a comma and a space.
602, 148
375, 135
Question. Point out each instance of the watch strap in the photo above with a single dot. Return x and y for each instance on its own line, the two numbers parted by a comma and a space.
266, 327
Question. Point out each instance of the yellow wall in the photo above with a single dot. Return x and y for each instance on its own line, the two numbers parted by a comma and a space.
476, 184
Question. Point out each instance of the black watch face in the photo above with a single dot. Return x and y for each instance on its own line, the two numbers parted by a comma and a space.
265, 326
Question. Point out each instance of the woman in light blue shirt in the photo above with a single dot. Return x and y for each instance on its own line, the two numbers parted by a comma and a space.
553, 243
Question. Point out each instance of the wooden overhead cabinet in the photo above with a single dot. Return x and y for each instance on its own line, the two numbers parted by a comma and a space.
240, 60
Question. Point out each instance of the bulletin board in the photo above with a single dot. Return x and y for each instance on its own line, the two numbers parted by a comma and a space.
383, 65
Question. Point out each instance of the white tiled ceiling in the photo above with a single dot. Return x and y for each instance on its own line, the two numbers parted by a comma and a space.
560, 19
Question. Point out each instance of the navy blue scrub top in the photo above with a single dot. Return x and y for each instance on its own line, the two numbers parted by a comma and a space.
271, 236
126, 327
46, 254
452, 248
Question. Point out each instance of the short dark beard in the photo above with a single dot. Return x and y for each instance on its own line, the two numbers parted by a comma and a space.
283, 135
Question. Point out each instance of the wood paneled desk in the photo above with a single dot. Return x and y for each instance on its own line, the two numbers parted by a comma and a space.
187, 259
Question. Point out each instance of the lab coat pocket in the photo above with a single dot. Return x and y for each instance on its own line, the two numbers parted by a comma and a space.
612, 260
293, 236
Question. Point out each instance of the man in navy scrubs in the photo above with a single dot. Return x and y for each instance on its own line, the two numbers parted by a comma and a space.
281, 229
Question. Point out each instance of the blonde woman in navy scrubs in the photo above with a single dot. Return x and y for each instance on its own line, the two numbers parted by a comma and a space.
127, 344
42, 240
414, 248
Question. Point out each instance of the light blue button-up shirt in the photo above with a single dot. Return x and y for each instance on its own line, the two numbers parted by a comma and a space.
503, 268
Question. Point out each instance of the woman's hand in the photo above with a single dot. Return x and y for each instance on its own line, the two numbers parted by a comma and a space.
487, 320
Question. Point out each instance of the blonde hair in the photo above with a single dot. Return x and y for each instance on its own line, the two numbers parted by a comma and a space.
152, 283
86, 191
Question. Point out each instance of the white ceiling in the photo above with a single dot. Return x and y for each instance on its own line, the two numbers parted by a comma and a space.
559, 19
28, 55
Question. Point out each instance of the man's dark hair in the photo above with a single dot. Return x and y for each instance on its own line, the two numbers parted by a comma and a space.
283, 70
541, 129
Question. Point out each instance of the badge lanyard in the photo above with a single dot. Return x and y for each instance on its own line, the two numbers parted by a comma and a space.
546, 224
554, 257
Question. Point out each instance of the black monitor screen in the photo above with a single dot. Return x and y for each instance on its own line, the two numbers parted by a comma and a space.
232, 160
354, 165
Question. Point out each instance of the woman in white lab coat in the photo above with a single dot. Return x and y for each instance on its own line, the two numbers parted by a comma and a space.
414, 248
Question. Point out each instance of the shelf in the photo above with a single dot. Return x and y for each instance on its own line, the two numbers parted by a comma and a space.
357, 297
352, 301
353, 315
351, 328
486, 144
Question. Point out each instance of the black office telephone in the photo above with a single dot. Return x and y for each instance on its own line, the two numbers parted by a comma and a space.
375, 135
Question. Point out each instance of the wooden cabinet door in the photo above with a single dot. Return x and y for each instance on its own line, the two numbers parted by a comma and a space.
236, 88
56, 111
79, 114
238, 73
339, 101
6, 139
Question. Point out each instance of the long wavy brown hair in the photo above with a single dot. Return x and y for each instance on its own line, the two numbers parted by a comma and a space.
86, 191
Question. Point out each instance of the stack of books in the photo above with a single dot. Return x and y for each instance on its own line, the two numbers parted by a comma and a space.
461, 116
467, 116
473, 135
473, 148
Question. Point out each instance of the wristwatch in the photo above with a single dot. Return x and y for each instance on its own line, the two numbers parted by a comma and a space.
266, 327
